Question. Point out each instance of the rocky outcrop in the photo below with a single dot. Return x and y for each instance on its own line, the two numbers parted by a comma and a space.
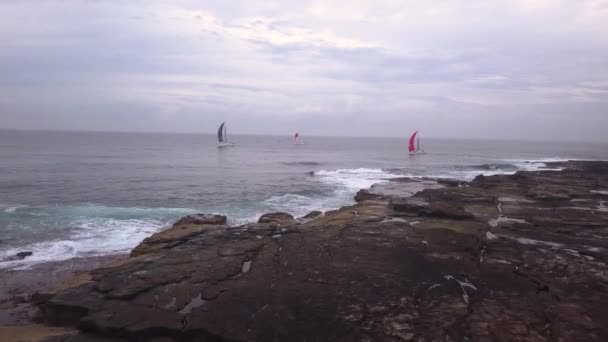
181, 231
278, 218
490, 261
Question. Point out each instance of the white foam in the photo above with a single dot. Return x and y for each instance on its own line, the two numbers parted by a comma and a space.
355, 179
526, 241
538, 164
92, 236
503, 219
601, 192
463, 285
394, 219
299, 205
490, 236
9, 209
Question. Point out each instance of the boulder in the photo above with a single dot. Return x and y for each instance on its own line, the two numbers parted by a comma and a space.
201, 219
364, 195
279, 217
23, 255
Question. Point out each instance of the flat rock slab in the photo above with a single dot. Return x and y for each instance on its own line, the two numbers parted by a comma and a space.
480, 262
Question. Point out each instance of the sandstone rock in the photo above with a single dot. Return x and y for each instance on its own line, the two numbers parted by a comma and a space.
280, 218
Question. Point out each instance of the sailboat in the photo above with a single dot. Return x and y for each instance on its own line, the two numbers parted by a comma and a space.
298, 139
414, 147
222, 137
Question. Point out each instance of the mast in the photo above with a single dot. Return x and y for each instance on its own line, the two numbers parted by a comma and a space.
226, 133
418, 143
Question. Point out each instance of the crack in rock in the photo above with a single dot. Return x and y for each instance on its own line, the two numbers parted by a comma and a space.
463, 284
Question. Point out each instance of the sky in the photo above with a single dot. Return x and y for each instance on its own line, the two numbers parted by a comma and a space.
512, 69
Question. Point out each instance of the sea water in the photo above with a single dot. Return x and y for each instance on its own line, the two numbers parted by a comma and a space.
78, 194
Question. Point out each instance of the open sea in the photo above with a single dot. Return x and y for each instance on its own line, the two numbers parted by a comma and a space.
79, 194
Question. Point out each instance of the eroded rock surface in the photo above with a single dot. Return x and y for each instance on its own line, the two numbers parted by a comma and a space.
506, 258
279, 218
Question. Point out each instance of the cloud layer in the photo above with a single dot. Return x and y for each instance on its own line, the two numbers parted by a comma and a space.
506, 69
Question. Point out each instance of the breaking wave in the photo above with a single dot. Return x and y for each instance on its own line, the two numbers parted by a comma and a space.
352, 180
88, 231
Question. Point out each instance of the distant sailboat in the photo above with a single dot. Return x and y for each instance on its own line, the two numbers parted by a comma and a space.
222, 136
414, 147
298, 139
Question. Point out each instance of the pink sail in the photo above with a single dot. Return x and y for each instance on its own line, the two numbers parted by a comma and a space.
413, 142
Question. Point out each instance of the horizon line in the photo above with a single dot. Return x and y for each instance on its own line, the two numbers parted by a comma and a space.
287, 135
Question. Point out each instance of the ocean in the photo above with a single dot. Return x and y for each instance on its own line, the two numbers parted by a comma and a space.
80, 194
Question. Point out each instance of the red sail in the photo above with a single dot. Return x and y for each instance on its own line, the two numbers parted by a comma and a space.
412, 142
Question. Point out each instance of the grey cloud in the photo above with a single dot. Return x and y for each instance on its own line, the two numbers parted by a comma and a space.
182, 66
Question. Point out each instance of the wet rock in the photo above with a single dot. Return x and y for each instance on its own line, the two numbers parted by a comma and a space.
18, 256
279, 218
23, 255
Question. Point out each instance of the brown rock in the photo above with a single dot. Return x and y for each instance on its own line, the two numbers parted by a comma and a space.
280, 218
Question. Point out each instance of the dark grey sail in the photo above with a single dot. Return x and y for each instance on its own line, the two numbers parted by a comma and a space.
220, 133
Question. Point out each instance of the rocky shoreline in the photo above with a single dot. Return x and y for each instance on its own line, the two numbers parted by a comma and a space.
503, 258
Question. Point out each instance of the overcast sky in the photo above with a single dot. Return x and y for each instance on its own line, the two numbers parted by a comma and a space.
535, 69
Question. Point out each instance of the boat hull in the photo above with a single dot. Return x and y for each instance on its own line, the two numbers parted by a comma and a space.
222, 145
416, 153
